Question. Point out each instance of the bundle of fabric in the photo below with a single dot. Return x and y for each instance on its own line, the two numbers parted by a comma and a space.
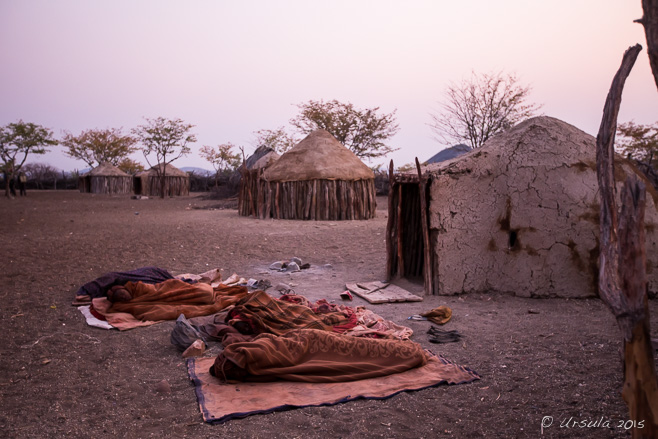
315, 356
260, 313
166, 301
100, 286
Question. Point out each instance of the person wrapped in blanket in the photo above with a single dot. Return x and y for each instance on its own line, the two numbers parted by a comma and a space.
294, 340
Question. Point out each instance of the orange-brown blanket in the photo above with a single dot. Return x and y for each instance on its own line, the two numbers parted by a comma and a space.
220, 402
166, 301
315, 356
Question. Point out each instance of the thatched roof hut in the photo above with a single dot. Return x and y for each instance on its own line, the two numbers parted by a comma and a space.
519, 215
318, 179
105, 179
147, 182
250, 173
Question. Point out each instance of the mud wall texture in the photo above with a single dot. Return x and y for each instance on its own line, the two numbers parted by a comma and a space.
520, 215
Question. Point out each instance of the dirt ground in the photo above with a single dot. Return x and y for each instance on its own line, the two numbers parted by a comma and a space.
61, 378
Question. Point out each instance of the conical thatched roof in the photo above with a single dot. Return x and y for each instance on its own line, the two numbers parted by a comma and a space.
318, 157
106, 169
170, 171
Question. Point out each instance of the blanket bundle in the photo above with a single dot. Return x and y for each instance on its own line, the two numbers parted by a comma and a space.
315, 356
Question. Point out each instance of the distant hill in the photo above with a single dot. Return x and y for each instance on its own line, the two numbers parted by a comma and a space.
449, 153
198, 171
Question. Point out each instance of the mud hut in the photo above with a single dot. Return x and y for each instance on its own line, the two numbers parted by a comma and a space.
177, 182
105, 179
519, 215
317, 179
250, 172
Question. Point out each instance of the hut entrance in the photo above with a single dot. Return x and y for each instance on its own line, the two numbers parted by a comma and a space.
410, 235
407, 239
137, 182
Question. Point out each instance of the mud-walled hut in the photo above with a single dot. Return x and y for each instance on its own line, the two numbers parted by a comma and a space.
250, 172
105, 179
519, 215
317, 179
147, 183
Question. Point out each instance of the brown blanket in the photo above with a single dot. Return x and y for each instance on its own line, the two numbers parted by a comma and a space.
315, 356
264, 314
167, 300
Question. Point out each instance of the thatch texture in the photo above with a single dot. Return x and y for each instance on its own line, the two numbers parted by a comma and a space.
318, 179
177, 182
105, 179
318, 157
519, 215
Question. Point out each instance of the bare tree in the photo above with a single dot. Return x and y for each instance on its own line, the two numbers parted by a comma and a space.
41, 173
363, 131
481, 106
97, 146
165, 140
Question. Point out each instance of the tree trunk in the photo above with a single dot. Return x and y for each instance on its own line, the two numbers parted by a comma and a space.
650, 22
622, 266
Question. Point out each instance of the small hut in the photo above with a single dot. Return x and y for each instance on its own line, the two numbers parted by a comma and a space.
250, 172
177, 182
105, 179
519, 215
317, 179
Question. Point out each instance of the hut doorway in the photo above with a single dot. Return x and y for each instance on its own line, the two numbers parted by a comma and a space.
406, 244
137, 182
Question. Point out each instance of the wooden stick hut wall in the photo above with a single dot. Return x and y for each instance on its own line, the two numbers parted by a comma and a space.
177, 182
318, 179
250, 173
105, 179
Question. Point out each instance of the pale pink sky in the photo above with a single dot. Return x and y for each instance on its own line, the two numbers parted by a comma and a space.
232, 68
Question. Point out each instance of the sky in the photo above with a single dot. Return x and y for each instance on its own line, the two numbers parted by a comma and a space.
235, 67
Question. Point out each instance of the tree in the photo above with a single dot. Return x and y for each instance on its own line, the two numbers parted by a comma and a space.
167, 140
221, 158
639, 142
279, 140
17, 141
130, 166
97, 146
363, 131
479, 107
40, 173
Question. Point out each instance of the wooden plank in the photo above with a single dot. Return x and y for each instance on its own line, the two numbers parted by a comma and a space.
378, 292
428, 276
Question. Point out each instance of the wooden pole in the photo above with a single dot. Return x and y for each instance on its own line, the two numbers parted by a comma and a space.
424, 220
389, 226
400, 233
650, 22
622, 265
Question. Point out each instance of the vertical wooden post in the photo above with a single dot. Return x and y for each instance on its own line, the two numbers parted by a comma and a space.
622, 265
390, 244
428, 276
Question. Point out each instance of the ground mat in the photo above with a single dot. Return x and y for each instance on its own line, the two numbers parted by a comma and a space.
221, 402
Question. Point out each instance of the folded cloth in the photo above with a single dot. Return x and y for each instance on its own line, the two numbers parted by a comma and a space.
315, 356
440, 315
440, 336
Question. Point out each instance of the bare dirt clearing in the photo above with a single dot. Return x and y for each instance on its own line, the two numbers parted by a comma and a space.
537, 358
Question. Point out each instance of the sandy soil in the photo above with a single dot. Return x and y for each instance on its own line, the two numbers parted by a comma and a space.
60, 378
